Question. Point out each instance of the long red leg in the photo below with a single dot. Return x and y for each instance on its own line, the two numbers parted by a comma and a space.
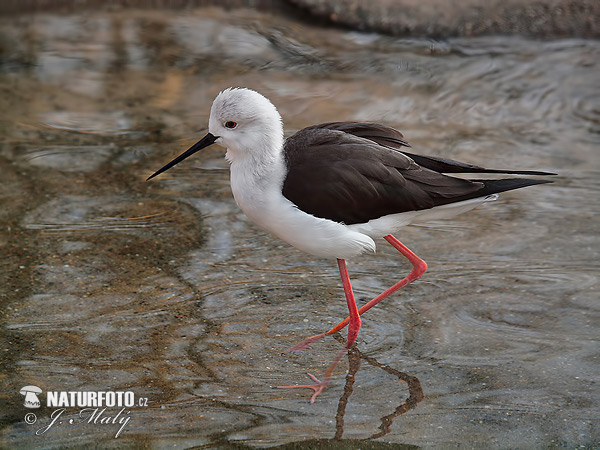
353, 329
419, 268
354, 317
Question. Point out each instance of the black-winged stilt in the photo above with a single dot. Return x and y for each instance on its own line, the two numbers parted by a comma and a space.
331, 189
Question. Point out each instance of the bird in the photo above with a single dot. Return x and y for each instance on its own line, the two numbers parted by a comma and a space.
332, 189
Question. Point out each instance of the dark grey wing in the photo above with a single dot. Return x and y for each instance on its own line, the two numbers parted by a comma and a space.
381, 134
342, 177
394, 139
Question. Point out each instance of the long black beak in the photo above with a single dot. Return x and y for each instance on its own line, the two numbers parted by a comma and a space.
207, 140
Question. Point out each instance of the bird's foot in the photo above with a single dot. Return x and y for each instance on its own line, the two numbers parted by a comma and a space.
305, 343
317, 387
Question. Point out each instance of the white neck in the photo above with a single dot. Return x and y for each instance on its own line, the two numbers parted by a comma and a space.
257, 176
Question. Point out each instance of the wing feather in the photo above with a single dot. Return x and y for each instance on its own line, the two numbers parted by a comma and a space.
346, 178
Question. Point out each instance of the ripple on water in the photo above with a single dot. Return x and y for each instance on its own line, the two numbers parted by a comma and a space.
102, 123
69, 213
588, 109
70, 158
508, 316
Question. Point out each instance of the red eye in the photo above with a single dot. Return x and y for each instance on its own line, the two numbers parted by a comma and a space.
231, 124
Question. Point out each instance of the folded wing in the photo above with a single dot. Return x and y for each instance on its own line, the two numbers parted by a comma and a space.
352, 172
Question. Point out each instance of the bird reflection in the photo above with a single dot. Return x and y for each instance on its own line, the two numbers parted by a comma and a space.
355, 358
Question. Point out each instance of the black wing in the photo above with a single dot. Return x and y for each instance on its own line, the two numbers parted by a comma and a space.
353, 172
386, 136
394, 139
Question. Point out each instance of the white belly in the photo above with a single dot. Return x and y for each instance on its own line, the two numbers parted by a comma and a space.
319, 237
393, 222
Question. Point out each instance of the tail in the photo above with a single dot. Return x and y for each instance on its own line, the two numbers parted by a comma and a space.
506, 184
443, 165
490, 187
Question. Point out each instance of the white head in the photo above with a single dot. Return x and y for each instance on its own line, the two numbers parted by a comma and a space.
243, 121
246, 123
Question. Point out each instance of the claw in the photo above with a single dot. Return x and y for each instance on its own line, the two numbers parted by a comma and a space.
317, 387
304, 344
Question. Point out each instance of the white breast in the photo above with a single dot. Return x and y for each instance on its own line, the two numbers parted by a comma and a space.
258, 194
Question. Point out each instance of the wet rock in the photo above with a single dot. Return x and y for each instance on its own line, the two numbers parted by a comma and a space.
439, 18
541, 18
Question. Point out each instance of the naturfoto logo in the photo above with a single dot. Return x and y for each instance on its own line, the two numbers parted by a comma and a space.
93, 407
86, 399
31, 396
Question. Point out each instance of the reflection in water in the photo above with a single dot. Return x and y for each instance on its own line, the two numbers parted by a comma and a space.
165, 288
414, 390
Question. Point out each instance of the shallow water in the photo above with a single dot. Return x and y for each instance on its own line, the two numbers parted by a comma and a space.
164, 288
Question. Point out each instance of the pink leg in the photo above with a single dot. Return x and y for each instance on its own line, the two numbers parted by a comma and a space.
354, 317
419, 268
353, 329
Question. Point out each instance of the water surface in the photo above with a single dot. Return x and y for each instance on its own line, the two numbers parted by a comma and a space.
166, 289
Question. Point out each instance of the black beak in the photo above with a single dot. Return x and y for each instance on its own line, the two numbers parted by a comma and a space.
207, 140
